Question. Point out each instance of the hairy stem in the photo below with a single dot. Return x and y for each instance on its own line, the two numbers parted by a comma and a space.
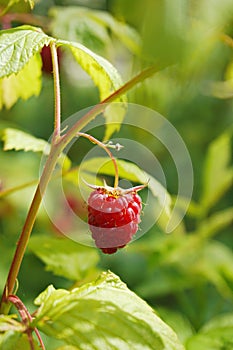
57, 97
44, 180
27, 228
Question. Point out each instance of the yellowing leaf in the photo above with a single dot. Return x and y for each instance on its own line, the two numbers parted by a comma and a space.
102, 72
18, 45
105, 77
24, 84
114, 115
20, 140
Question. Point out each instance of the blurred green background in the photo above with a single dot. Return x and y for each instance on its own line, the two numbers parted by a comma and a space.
187, 276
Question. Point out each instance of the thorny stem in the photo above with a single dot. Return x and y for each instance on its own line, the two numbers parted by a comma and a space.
104, 146
26, 319
55, 152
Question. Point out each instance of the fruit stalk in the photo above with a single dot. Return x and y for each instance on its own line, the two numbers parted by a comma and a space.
104, 146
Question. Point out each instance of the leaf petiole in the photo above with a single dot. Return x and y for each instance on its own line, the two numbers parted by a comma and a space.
26, 320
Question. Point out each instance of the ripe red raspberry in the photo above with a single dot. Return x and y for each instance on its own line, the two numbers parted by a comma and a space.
113, 217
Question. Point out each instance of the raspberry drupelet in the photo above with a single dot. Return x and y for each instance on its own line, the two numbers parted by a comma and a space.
113, 216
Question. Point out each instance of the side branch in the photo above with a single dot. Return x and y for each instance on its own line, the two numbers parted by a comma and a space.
78, 126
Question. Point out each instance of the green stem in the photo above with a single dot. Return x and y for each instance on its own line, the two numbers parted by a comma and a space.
57, 97
102, 145
51, 161
102, 105
27, 228
56, 149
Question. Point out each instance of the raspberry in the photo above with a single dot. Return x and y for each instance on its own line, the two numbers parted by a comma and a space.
113, 217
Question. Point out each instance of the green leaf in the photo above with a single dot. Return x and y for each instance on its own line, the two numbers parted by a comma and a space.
26, 83
167, 279
218, 176
91, 28
11, 3
105, 76
216, 222
104, 314
11, 334
114, 114
64, 257
220, 322
126, 34
215, 263
193, 209
18, 46
20, 140
131, 172
173, 259
8, 323
215, 335
102, 72
178, 322
19, 342
73, 23
31, 3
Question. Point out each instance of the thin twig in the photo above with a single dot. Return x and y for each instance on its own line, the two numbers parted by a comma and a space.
89, 116
26, 319
102, 145
57, 92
